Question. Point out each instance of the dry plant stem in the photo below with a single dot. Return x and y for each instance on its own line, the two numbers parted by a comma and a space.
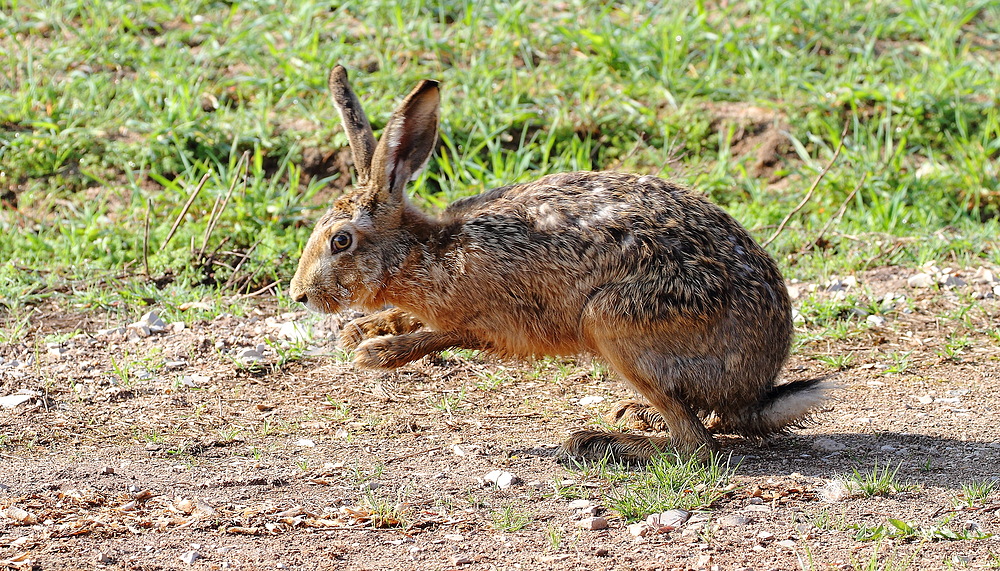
184, 211
145, 237
412, 454
239, 265
812, 189
256, 293
218, 209
836, 218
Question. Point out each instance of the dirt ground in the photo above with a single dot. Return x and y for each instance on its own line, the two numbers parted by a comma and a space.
173, 450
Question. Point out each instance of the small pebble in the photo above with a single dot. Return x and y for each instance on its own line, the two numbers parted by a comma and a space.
593, 523
190, 557
834, 491
639, 529
825, 444
669, 519
460, 560
875, 320
579, 504
733, 521
920, 280
249, 356
501, 479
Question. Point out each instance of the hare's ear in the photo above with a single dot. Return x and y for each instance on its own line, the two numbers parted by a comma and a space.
406, 143
352, 116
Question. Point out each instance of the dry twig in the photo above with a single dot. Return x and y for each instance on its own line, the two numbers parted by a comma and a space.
812, 189
184, 211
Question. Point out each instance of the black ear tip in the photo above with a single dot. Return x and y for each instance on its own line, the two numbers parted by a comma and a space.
428, 85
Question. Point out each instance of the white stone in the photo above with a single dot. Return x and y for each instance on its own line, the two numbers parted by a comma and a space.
733, 521
153, 321
834, 491
587, 401
875, 320
293, 331
825, 444
639, 529
20, 397
579, 504
501, 479
139, 329
921, 280
671, 518
190, 557
305, 443
983, 276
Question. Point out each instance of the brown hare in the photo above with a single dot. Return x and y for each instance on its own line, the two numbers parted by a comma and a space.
649, 276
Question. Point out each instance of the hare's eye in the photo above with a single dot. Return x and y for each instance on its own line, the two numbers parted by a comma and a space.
340, 242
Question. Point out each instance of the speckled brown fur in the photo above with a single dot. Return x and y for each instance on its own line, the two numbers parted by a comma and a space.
651, 277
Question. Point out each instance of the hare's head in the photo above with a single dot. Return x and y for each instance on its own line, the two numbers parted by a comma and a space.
359, 241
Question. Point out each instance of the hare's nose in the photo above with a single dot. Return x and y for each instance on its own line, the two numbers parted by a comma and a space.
302, 298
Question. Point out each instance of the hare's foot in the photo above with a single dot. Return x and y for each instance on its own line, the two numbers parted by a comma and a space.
596, 445
391, 321
637, 416
391, 351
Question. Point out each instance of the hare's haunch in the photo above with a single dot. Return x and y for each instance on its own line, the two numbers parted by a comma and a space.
649, 276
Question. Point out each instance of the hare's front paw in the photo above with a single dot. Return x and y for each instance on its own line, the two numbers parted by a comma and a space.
386, 352
389, 322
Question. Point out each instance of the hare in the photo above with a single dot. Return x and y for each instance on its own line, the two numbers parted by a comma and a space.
647, 275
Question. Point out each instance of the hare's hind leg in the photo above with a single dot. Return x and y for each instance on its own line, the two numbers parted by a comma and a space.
391, 351
392, 321
660, 378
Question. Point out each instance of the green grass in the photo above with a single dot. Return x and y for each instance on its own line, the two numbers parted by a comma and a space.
112, 112
509, 519
877, 481
667, 482
976, 492
907, 531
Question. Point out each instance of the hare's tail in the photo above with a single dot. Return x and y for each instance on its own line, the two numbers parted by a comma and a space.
784, 406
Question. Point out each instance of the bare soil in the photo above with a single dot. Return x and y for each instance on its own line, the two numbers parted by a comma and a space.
134, 453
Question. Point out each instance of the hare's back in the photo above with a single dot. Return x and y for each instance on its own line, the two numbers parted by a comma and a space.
615, 214
666, 246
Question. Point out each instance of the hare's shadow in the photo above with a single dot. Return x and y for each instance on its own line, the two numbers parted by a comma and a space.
920, 459
917, 458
